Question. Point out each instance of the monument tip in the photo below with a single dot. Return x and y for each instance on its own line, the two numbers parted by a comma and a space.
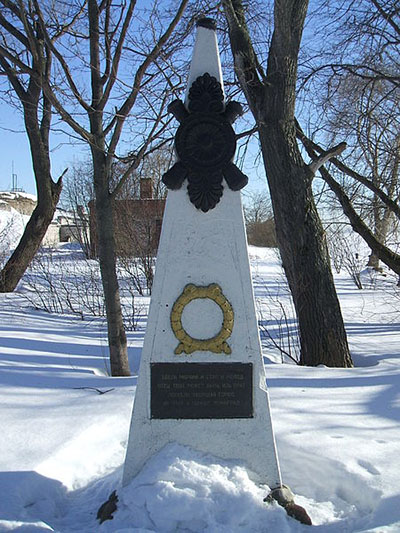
205, 57
206, 22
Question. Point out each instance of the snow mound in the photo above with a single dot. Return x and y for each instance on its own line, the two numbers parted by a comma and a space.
26, 495
180, 489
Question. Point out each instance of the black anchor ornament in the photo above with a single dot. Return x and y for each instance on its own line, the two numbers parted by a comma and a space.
205, 144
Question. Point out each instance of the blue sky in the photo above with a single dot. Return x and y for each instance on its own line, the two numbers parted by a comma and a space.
15, 154
15, 151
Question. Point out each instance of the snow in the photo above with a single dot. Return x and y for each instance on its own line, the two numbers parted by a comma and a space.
64, 425
12, 225
18, 194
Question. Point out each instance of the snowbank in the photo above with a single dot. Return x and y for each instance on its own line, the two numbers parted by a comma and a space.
64, 425
180, 489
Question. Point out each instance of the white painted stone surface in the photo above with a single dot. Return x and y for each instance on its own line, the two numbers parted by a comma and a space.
202, 319
204, 248
205, 58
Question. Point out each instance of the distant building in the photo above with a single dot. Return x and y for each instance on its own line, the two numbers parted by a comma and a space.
63, 227
137, 223
22, 202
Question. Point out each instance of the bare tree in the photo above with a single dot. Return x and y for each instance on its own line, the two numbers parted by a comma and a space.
271, 96
358, 88
92, 50
96, 112
360, 38
259, 219
383, 252
25, 61
76, 196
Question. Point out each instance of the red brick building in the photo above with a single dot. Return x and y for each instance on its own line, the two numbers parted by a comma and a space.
137, 223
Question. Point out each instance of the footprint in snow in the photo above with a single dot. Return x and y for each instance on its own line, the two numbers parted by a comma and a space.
369, 467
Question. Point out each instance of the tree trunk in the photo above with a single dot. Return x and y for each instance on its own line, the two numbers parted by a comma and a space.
48, 192
107, 257
373, 261
377, 222
31, 239
271, 97
381, 223
304, 253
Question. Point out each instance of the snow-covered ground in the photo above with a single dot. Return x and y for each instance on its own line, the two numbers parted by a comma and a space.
64, 427
12, 225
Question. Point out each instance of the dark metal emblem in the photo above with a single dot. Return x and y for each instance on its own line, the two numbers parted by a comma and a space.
205, 144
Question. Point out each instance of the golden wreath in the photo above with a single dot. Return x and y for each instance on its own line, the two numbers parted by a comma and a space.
187, 343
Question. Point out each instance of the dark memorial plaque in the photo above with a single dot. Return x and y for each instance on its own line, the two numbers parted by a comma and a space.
201, 390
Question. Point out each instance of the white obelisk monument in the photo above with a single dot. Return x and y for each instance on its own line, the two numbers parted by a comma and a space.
201, 379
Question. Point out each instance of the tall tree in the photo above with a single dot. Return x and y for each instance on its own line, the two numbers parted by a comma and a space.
26, 62
358, 88
271, 96
93, 92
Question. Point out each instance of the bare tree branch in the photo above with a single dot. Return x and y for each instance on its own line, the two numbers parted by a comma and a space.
313, 148
386, 16
60, 58
14, 31
16, 61
390, 258
12, 77
141, 152
117, 55
247, 133
325, 156
130, 100
67, 26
